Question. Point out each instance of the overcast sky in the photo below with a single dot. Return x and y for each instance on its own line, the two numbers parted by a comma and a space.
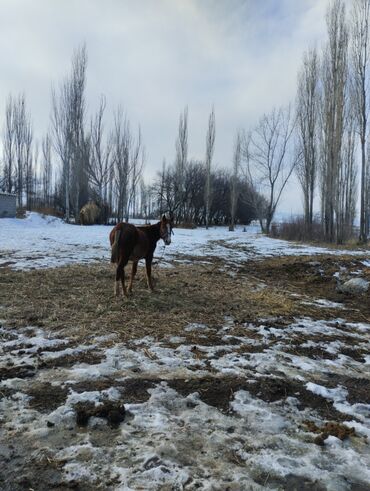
155, 57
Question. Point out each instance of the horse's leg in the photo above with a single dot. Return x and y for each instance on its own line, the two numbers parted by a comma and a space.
120, 275
116, 286
133, 273
148, 264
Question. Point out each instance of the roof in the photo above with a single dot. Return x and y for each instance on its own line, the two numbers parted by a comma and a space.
7, 194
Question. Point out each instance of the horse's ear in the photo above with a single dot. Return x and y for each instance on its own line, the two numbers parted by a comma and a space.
164, 219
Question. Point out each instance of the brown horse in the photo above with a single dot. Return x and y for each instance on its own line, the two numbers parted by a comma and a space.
130, 243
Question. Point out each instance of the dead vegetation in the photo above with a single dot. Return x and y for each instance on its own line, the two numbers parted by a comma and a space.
252, 298
79, 299
312, 277
330, 428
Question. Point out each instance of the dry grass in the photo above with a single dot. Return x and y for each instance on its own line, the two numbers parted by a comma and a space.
80, 300
313, 277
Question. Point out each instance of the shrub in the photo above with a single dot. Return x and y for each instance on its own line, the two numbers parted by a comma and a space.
189, 225
296, 229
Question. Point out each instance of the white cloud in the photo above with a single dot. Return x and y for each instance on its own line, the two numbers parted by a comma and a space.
155, 57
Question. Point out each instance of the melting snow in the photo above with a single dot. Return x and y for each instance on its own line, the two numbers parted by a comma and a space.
171, 440
49, 242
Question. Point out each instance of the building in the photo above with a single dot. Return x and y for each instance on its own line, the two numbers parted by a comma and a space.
8, 206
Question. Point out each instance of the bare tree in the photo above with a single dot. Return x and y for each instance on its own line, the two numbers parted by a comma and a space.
360, 67
270, 163
210, 142
346, 193
46, 170
30, 162
367, 190
9, 146
144, 200
17, 145
137, 159
111, 182
233, 193
62, 137
99, 164
80, 146
308, 126
121, 141
161, 188
166, 190
333, 117
19, 133
235, 178
36, 194
181, 160
68, 135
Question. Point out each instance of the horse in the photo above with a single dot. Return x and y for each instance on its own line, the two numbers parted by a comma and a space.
131, 243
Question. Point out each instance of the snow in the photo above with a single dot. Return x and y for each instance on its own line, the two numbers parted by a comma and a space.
338, 394
322, 302
172, 440
354, 286
45, 242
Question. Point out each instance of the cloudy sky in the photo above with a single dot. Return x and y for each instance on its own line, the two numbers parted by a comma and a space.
154, 57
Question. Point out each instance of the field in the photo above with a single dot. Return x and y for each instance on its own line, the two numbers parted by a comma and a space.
246, 369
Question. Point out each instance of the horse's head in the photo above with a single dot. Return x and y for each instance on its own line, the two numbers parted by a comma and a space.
165, 230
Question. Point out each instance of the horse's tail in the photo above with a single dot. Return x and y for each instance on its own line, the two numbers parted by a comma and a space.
115, 247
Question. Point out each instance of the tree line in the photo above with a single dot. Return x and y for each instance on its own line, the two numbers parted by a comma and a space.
332, 122
321, 137
318, 137
81, 161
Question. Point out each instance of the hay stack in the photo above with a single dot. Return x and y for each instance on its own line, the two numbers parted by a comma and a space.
90, 214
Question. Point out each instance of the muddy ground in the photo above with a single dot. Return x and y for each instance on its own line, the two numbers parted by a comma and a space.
212, 308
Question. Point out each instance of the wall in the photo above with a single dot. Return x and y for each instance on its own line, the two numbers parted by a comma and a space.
7, 205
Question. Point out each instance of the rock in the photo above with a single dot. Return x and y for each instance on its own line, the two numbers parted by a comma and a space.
354, 286
50, 424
